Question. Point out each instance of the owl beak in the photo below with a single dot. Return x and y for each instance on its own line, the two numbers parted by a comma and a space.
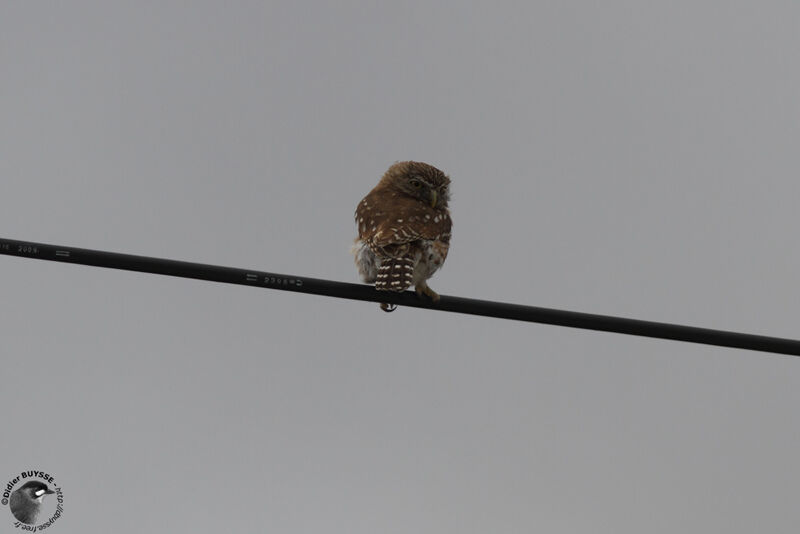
433, 199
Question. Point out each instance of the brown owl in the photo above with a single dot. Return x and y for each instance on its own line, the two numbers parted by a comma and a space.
404, 229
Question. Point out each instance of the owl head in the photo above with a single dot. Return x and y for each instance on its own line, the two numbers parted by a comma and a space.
419, 180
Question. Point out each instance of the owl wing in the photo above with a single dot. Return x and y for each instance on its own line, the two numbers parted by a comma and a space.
397, 242
393, 232
418, 224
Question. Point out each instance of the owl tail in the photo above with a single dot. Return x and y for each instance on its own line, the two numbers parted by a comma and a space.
395, 274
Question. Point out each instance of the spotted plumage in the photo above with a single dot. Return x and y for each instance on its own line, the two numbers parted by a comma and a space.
404, 228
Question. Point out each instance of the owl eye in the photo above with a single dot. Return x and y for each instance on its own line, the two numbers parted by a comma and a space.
415, 184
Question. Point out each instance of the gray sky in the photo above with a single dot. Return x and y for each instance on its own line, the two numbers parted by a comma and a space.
626, 158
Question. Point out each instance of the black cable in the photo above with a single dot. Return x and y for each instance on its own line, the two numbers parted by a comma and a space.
300, 284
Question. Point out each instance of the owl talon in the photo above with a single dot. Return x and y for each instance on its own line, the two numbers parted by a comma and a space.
388, 308
424, 289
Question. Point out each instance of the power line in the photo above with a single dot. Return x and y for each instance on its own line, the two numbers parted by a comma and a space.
329, 288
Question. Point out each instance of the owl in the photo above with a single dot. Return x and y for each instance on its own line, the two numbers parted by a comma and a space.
404, 229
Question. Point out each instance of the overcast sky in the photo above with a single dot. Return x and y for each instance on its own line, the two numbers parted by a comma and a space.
622, 157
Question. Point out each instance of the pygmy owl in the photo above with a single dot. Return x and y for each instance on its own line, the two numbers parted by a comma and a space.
404, 229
